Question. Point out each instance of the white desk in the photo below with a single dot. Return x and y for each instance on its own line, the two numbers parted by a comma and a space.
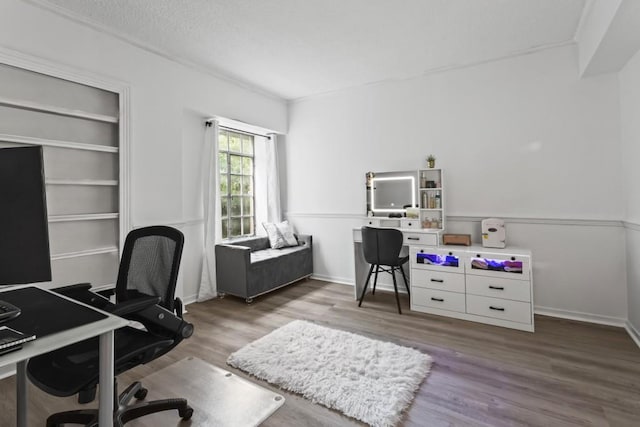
104, 328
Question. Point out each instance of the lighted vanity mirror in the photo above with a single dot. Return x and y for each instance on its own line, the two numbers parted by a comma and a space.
389, 192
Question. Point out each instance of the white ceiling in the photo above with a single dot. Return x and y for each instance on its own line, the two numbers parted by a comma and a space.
298, 48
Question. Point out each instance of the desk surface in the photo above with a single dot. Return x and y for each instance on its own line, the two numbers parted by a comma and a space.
102, 323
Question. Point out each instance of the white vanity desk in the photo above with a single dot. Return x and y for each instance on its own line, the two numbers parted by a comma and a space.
473, 283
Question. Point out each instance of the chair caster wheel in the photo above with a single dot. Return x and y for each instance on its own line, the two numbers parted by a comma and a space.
141, 394
248, 300
186, 414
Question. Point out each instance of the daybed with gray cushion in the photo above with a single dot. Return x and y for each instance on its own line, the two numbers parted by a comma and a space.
249, 267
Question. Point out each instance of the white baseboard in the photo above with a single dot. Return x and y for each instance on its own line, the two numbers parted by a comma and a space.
339, 280
190, 299
582, 317
633, 333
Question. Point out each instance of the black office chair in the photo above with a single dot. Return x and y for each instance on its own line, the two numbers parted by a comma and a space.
145, 292
382, 248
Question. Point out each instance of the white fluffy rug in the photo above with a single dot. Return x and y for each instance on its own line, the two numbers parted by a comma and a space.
372, 381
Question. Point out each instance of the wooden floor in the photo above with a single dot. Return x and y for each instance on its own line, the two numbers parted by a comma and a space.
566, 373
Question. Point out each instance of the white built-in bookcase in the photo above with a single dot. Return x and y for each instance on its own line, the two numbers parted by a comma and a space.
81, 123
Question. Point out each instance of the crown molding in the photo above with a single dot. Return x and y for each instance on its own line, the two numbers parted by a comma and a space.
433, 71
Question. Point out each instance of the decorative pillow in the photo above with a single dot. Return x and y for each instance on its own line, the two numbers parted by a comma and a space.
280, 234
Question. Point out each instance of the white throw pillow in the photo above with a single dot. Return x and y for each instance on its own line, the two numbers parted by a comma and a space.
280, 234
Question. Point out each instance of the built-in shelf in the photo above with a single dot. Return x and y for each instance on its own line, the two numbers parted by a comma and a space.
431, 199
89, 182
83, 217
18, 139
60, 111
88, 252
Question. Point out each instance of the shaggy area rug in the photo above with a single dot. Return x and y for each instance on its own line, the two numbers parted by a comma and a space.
370, 380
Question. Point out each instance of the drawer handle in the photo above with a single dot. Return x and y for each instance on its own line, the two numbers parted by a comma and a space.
496, 308
437, 280
413, 238
437, 299
497, 288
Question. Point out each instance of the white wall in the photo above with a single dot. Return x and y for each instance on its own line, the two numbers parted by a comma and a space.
168, 102
630, 123
518, 138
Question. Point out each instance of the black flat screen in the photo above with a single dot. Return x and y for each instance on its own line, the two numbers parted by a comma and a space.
24, 233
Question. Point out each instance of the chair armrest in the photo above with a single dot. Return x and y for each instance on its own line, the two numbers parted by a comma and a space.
107, 293
305, 239
133, 306
157, 317
82, 292
69, 290
230, 250
232, 264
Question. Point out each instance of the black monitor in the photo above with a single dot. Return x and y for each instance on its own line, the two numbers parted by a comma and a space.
24, 231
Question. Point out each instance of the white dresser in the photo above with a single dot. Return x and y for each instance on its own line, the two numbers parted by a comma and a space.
480, 284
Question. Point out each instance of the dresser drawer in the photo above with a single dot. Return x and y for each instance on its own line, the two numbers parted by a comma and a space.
443, 300
498, 265
410, 223
513, 311
423, 239
437, 259
446, 281
498, 287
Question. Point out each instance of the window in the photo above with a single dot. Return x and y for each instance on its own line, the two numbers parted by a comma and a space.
236, 158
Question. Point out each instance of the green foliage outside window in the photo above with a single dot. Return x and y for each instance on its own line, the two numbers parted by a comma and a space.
236, 151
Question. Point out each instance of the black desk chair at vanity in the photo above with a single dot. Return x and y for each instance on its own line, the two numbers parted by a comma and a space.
381, 248
145, 292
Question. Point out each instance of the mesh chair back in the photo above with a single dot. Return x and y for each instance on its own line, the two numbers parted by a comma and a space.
382, 246
150, 262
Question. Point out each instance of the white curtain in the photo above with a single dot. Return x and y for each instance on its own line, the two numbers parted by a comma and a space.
211, 205
274, 213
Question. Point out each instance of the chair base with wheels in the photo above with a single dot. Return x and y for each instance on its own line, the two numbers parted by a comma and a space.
382, 249
124, 411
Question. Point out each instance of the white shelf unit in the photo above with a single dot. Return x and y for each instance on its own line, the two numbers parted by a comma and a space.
486, 285
431, 198
79, 127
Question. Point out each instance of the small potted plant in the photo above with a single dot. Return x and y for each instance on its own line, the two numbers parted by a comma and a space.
431, 161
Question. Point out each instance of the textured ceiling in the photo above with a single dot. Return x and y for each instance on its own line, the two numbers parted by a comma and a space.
298, 48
